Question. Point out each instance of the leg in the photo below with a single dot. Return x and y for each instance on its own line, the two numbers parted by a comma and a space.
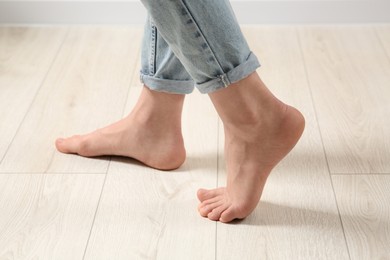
151, 133
259, 131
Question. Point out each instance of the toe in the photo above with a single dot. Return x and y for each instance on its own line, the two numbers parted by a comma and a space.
204, 194
215, 214
78, 144
205, 209
210, 201
68, 145
228, 215
202, 206
59, 144
236, 211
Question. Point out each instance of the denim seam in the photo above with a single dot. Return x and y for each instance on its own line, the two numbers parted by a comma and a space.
222, 77
153, 44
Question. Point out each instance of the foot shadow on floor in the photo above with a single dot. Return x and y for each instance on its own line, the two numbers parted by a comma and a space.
270, 214
204, 162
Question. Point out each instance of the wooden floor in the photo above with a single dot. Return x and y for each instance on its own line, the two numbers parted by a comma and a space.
328, 199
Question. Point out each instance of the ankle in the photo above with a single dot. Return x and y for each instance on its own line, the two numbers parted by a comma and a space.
158, 109
247, 103
257, 116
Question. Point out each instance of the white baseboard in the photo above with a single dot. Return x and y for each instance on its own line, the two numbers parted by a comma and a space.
247, 12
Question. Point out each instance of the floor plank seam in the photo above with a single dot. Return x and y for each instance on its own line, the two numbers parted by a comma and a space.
340, 218
360, 174
218, 167
36, 93
51, 161
321, 138
97, 209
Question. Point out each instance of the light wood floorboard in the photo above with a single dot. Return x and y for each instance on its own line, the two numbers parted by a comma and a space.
45, 216
85, 89
25, 57
365, 211
349, 73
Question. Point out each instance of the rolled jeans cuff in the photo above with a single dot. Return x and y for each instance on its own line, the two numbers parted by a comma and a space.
234, 75
167, 85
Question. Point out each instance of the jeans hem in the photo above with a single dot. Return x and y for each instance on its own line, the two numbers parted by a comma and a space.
236, 74
167, 85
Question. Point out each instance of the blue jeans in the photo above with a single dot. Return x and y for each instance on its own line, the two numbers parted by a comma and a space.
193, 43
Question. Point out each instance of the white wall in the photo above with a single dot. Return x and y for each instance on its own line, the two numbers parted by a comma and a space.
247, 11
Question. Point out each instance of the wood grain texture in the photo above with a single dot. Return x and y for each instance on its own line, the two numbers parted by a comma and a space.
151, 214
297, 216
365, 211
26, 55
349, 74
47, 216
85, 89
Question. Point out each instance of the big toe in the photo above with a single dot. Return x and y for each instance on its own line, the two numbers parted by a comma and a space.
204, 194
68, 145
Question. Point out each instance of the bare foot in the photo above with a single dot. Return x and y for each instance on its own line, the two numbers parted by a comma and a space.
254, 145
151, 133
